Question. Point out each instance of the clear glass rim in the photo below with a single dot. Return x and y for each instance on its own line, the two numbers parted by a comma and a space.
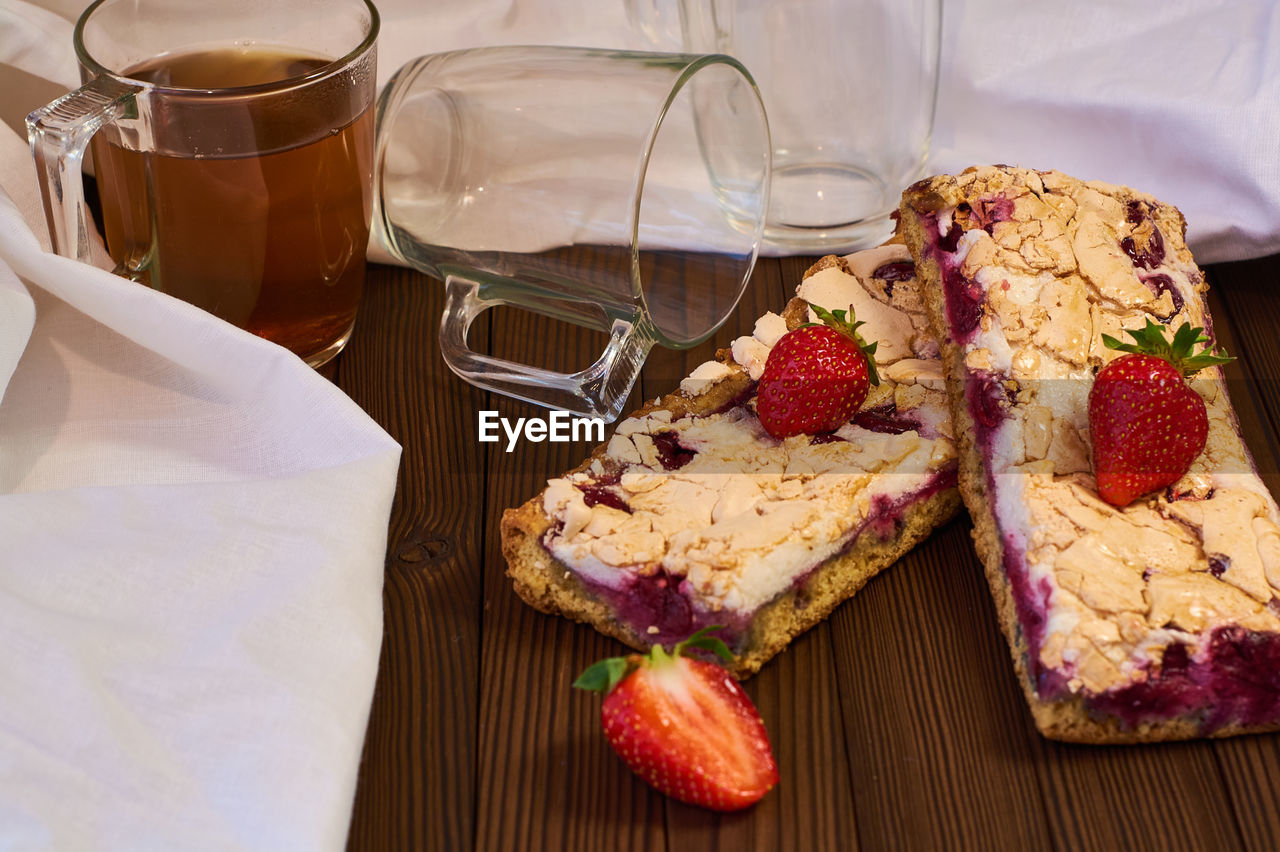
696, 63
329, 69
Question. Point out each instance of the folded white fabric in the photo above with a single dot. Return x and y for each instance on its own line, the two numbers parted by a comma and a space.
192, 538
1180, 100
38, 40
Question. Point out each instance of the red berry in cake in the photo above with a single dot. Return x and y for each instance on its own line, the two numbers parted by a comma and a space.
684, 725
816, 377
1146, 423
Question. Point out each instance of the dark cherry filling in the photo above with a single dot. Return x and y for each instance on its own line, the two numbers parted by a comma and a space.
1237, 681
1173, 496
670, 451
659, 597
1148, 258
964, 298
600, 495
825, 438
885, 420
658, 601
1218, 565
988, 401
1031, 603
1152, 255
988, 398
950, 241
964, 305
737, 401
599, 492
1160, 284
898, 270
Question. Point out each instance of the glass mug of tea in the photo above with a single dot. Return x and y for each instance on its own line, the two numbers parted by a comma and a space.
850, 88
591, 186
233, 149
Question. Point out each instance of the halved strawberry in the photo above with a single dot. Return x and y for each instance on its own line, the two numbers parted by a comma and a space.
685, 725
816, 377
1146, 423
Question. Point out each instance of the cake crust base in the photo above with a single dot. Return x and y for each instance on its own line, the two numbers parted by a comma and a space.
550, 587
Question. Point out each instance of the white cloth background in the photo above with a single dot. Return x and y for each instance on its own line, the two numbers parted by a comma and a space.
192, 524
1181, 101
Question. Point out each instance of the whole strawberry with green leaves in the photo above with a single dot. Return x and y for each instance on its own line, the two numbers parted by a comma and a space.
1146, 422
684, 725
816, 377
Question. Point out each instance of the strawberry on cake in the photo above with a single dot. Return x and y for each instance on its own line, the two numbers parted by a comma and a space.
1131, 548
696, 513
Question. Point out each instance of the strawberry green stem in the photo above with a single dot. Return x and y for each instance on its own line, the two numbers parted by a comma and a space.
604, 675
1151, 340
847, 323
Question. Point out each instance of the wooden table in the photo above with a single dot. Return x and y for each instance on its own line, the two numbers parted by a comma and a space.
897, 723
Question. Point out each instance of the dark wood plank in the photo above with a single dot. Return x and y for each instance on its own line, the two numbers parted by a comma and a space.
416, 787
897, 723
1251, 766
940, 750
1102, 797
1246, 300
546, 779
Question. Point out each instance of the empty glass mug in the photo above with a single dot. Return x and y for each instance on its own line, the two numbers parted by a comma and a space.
850, 89
587, 185
233, 147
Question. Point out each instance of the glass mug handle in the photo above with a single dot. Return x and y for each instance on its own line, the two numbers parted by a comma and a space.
600, 390
59, 134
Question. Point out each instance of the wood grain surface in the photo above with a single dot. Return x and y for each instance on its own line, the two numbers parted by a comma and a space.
898, 723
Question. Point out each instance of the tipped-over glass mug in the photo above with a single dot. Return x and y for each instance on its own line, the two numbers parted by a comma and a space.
233, 148
499, 170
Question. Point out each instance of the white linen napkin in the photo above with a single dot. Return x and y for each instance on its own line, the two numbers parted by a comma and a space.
192, 537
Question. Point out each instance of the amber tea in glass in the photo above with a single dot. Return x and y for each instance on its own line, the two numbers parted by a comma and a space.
235, 170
